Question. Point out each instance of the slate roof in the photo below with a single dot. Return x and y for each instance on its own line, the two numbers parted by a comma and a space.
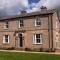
29, 14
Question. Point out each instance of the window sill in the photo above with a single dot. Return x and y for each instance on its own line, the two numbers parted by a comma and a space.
38, 26
37, 43
20, 27
5, 28
5, 43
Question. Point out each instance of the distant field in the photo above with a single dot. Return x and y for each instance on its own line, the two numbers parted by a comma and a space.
27, 56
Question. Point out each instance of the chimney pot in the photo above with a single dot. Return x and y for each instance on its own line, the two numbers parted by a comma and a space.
43, 8
22, 12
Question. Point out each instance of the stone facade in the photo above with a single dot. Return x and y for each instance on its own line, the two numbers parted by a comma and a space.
48, 29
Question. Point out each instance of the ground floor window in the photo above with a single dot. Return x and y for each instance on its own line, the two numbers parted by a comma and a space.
37, 39
6, 39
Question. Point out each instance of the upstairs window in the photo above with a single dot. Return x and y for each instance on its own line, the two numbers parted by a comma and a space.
37, 21
5, 39
6, 25
21, 23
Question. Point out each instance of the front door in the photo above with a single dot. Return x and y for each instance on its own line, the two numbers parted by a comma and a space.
20, 40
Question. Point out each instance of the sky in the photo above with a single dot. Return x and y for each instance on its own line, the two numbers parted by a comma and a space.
14, 7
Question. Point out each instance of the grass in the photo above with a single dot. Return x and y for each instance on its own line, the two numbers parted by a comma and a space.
27, 56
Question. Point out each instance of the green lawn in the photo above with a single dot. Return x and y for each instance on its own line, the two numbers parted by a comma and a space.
27, 56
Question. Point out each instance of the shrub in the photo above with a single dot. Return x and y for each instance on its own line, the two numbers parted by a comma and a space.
27, 49
41, 49
11, 48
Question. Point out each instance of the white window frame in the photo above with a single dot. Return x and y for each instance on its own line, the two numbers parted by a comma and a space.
5, 25
34, 39
21, 23
4, 42
37, 21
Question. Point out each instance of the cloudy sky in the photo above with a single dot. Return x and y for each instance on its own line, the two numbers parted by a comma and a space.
14, 7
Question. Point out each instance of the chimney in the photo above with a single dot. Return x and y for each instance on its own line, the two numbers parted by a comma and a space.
23, 12
43, 8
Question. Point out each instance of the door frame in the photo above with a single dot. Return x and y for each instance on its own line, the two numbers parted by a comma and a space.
21, 38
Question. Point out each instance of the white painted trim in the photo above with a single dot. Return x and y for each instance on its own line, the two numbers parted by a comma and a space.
5, 25
4, 40
19, 23
34, 39
36, 21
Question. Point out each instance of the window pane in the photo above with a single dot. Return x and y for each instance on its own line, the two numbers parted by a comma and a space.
37, 40
21, 23
37, 18
38, 23
6, 22
37, 36
6, 36
6, 40
6, 25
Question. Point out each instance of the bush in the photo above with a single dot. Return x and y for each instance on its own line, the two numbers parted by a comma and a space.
41, 49
11, 48
27, 49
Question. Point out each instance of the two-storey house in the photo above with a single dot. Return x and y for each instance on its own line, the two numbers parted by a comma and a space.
30, 30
